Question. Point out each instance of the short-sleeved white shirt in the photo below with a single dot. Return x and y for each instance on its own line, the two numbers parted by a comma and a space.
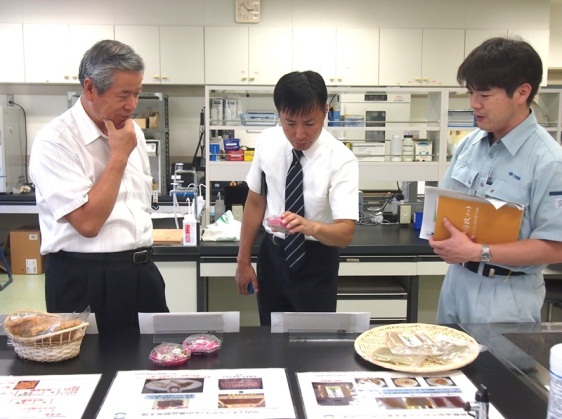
330, 172
68, 157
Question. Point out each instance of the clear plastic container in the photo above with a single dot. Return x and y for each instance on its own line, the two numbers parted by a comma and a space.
169, 354
202, 343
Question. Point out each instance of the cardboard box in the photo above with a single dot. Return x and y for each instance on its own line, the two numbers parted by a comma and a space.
24, 245
142, 122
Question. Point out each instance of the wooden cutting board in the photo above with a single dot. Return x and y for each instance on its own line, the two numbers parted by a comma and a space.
165, 235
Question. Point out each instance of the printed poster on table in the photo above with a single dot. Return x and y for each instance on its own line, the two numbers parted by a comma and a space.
240, 393
46, 396
387, 394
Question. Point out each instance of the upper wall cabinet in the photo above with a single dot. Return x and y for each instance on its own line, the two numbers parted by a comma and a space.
315, 49
420, 57
11, 39
172, 54
182, 55
145, 40
442, 53
474, 37
247, 55
53, 52
357, 57
343, 56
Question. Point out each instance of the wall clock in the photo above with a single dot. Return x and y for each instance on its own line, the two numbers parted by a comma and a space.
248, 11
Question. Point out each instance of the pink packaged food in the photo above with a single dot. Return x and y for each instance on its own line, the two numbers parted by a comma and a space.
169, 354
276, 224
202, 344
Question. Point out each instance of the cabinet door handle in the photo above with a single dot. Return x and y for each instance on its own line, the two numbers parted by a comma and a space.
156, 77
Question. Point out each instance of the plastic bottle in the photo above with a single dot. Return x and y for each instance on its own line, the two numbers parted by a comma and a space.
212, 214
396, 148
219, 207
408, 148
555, 393
189, 236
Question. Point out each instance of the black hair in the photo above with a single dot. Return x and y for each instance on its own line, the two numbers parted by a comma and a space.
300, 92
504, 63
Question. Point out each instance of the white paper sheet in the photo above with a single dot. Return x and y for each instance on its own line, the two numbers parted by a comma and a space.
46, 396
240, 393
386, 394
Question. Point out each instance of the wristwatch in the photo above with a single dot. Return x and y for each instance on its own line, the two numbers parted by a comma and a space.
486, 254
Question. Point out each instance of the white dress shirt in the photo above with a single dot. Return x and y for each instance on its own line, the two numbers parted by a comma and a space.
330, 171
68, 157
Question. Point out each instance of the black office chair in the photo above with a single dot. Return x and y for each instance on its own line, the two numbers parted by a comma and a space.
553, 297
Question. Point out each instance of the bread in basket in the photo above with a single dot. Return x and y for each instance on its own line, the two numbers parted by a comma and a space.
45, 337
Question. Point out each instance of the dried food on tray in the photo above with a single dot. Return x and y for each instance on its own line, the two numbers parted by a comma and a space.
445, 348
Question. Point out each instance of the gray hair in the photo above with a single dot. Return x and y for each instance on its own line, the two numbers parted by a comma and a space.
103, 58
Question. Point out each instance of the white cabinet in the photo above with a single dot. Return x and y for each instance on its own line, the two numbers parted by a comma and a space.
400, 57
53, 52
172, 54
182, 55
344, 56
247, 55
181, 285
11, 39
357, 57
474, 37
315, 49
420, 57
145, 40
81, 39
442, 53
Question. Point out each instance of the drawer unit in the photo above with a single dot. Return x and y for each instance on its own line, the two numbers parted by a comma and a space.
384, 297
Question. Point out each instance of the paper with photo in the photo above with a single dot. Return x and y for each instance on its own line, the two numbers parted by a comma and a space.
46, 396
247, 393
387, 394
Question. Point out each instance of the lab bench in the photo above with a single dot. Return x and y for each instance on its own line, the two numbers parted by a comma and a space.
379, 271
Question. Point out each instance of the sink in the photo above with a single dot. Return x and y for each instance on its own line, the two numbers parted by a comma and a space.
536, 345
524, 348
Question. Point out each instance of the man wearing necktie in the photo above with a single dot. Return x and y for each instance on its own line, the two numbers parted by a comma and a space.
309, 180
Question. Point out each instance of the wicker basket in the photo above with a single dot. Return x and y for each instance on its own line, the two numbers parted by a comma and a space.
51, 347
375, 338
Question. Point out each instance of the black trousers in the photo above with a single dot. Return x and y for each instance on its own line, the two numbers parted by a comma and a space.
311, 288
115, 290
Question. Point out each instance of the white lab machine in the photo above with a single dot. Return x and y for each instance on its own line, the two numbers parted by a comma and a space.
12, 149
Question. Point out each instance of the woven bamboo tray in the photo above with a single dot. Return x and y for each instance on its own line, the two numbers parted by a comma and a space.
51, 347
375, 338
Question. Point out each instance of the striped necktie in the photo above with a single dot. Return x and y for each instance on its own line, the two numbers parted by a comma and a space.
294, 202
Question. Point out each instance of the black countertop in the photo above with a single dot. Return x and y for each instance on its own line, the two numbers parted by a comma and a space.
376, 240
256, 347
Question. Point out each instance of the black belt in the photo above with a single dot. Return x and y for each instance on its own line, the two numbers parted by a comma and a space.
137, 256
490, 270
275, 239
